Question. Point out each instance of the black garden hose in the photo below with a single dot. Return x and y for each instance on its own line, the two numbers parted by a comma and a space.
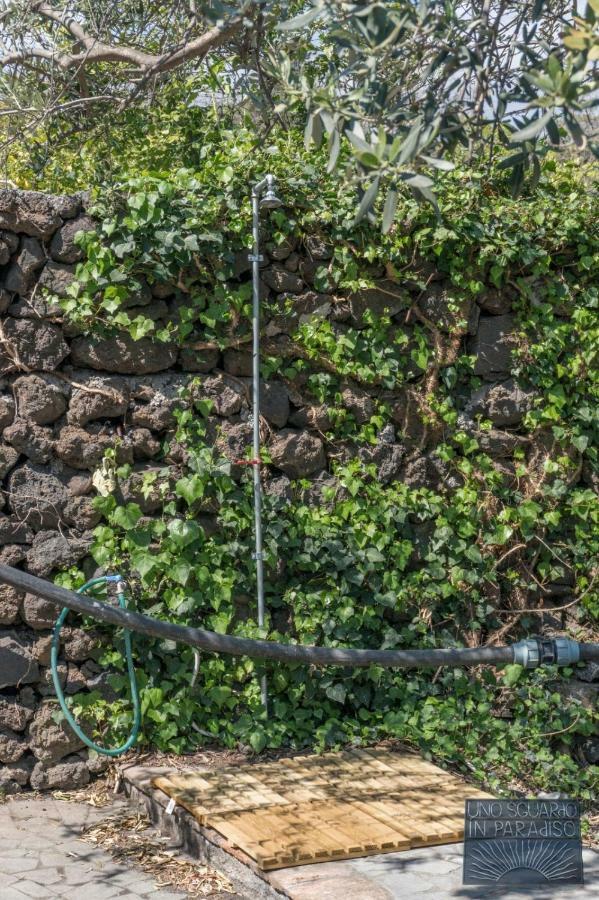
529, 653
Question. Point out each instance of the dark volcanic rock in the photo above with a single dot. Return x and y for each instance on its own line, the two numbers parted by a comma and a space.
7, 411
122, 354
99, 397
49, 741
30, 440
579, 692
238, 363
12, 746
17, 665
192, 360
493, 441
279, 488
495, 302
414, 425
156, 399
505, 403
590, 748
36, 496
52, 550
493, 345
9, 244
297, 310
63, 247
81, 449
297, 453
311, 417
38, 613
388, 459
40, 398
13, 531
588, 672
226, 395
233, 442
80, 645
274, 402
14, 776
30, 212
38, 305
80, 512
36, 213
143, 442
387, 298
69, 774
282, 281
12, 554
429, 472
8, 459
33, 343
15, 715
359, 404
21, 274
56, 278
134, 491
446, 311
317, 247
10, 602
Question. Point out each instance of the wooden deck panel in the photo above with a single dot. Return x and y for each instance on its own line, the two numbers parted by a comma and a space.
311, 809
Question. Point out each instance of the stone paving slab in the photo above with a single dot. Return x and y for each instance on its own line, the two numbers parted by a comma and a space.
431, 872
41, 857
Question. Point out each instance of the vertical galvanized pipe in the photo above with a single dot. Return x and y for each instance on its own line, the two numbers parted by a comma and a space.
256, 421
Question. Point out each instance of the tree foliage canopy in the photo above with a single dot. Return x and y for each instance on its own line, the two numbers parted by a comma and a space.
407, 85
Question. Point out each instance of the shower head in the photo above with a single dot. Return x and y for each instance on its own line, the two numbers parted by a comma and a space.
270, 199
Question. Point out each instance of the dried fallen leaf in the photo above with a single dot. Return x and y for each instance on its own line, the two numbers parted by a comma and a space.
130, 838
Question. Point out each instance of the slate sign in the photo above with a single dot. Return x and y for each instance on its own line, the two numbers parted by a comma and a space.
527, 842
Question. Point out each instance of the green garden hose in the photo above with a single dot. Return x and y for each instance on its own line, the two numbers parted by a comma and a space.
106, 579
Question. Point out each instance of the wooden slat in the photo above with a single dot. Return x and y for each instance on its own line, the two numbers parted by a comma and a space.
308, 809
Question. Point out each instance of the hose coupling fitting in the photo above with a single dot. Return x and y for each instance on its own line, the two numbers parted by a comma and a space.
113, 579
539, 651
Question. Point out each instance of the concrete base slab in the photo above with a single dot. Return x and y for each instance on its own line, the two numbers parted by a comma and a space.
434, 872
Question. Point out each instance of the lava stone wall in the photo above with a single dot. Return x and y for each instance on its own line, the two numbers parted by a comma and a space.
66, 397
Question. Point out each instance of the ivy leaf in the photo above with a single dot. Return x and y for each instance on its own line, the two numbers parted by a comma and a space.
144, 563
257, 740
183, 532
127, 516
337, 693
190, 488
511, 674
181, 572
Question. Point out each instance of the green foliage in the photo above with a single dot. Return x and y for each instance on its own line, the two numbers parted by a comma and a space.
349, 578
379, 57
370, 564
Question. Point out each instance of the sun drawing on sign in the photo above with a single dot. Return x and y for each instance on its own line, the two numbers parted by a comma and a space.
496, 861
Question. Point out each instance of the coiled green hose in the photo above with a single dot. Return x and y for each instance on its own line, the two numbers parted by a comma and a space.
117, 751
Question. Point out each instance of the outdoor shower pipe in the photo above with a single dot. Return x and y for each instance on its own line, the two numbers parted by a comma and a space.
263, 196
529, 653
